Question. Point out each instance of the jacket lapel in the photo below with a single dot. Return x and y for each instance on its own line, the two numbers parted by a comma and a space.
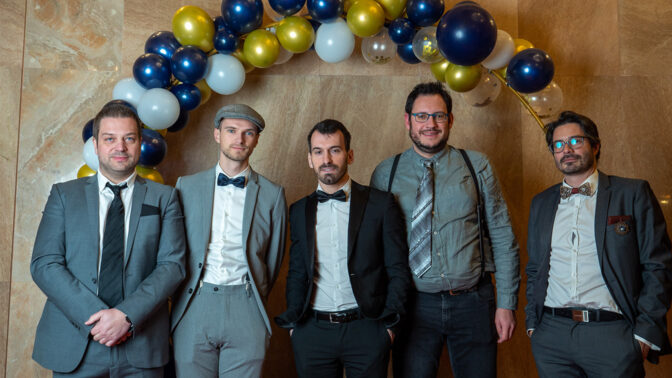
358, 197
250, 204
311, 215
139, 191
206, 187
601, 210
92, 204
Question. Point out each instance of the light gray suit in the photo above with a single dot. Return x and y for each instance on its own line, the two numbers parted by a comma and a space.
263, 241
65, 267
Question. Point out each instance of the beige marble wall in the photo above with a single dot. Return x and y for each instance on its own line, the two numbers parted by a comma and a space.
610, 61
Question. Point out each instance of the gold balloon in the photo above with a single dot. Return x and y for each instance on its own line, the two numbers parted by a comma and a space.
193, 26
522, 44
295, 34
347, 4
238, 54
163, 132
393, 8
365, 18
463, 78
149, 173
261, 48
206, 92
85, 171
439, 69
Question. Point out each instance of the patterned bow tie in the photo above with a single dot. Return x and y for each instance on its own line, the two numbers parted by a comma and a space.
584, 189
238, 182
324, 197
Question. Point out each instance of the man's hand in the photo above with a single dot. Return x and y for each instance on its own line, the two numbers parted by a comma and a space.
505, 322
645, 349
110, 326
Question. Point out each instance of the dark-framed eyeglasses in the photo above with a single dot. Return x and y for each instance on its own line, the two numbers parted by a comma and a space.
572, 142
439, 117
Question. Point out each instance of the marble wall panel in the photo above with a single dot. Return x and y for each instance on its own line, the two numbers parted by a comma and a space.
645, 32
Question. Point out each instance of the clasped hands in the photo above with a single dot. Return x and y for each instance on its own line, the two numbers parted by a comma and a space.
111, 327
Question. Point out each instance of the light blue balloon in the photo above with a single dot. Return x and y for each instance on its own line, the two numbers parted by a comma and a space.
89, 154
225, 74
334, 42
158, 108
128, 90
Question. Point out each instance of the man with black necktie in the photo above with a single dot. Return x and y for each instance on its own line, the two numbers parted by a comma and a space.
599, 275
348, 272
108, 253
235, 220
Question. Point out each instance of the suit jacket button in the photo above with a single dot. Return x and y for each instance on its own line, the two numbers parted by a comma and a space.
216, 289
200, 265
191, 291
95, 281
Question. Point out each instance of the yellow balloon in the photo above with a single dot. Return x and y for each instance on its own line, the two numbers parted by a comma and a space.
365, 18
206, 92
149, 173
347, 4
522, 44
463, 78
393, 8
193, 26
85, 171
261, 48
295, 34
238, 54
439, 69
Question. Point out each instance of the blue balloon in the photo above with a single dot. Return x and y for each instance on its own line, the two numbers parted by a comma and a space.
181, 122
466, 35
188, 95
162, 43
242, 16
226, 41
219, 23
87, 131
152, 71
189, 64
401, 31
325, 10
406, 54
530, 71
286, 7
153, 148
424, 12
316, 25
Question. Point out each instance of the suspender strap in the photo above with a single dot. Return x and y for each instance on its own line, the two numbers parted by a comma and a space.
479, 209
393, 171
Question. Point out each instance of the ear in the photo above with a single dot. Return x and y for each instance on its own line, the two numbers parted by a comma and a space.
216, 135
351, 157
450, 121
407, 121
95, 145
310, 161
596, 149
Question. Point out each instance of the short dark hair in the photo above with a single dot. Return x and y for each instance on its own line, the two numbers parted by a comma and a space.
426, 89
587, 125
115, 111
330, 126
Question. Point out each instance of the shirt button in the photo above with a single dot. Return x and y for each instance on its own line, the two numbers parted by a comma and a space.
436, 232
443, 275
438, 254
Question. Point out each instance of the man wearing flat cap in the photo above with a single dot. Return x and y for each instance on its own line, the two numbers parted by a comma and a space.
235, 229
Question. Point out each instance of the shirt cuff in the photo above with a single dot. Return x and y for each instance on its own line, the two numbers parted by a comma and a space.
528, 332
647, 342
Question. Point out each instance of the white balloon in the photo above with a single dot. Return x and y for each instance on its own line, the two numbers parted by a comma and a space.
502, 53
334, 42
225, 74
158, 108
89, 153
128, 90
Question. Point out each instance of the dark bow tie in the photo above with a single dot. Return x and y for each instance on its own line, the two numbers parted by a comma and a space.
566, 192
238, 182
324, 197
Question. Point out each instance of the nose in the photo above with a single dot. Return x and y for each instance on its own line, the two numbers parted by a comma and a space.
327, 157
567, 147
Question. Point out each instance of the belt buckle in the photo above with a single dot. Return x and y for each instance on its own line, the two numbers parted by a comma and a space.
581, 316
333, 317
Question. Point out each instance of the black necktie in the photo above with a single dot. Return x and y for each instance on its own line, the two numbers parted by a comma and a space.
238, 182
324, 197
110, 288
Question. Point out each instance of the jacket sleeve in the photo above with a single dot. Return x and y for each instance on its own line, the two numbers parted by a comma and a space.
534, 259
276, 250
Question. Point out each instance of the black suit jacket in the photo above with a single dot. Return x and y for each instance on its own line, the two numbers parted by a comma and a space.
636, 265
377, 256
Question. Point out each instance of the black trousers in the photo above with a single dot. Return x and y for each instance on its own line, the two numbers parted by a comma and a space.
323, 349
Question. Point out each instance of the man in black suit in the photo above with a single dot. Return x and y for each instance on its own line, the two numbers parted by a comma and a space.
348, 271
600, 265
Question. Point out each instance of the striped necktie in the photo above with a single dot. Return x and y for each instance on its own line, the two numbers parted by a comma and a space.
420, 254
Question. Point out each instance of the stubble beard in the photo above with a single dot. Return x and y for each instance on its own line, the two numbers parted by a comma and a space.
438, 147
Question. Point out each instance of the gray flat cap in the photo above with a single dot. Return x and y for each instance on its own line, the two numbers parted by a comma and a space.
240, 111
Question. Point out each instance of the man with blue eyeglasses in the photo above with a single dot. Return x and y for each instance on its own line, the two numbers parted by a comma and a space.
459, 232
599, 275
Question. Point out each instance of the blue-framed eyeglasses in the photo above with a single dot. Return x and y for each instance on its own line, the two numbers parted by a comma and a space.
439, 117
572, 142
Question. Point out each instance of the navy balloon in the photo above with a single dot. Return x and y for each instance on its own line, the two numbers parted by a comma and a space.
181, 122
466, 35
153, 148
162, 43
219, 23
188, 95
424, 12
530, 71
316, 25
286, 7
325, 10
406, 54
87, 131
152, 71
189, 64
401, 31
122, 102
226, 41
242, 16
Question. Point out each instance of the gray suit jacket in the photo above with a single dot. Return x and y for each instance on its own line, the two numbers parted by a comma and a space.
65, 267
264, 227
636, 265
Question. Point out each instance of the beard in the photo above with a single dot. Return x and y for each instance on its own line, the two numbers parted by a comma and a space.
331, 178
236, 155
429, 149
583, 163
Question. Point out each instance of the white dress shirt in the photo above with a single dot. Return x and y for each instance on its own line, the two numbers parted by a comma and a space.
105, 198
332, 291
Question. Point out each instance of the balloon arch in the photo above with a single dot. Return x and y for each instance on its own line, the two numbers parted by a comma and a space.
181, 68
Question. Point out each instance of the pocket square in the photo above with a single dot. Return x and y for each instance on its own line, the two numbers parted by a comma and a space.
618, 218
149, 210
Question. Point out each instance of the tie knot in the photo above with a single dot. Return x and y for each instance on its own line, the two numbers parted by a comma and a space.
566, 192
238, 182
428, 164
324, 197
116, 189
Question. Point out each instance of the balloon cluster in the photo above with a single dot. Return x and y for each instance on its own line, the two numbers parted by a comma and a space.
181, 68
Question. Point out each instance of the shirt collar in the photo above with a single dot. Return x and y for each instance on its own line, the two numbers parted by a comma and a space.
592, 180
346, 188
420, 159
102, 181
245, 173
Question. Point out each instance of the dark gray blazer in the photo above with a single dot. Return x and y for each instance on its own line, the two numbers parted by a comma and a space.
636, 265
65, 267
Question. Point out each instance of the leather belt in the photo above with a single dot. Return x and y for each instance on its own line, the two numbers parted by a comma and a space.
584, 315
463, 291
338, 317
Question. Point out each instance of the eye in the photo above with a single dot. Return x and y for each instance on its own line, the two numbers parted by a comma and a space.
557, 145
250, 133
573, 141
422, 116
